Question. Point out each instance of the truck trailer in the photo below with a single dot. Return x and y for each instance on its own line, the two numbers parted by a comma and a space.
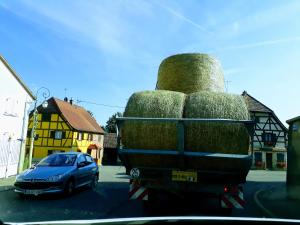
182, 172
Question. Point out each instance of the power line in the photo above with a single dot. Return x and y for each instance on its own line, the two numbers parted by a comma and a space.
100, 104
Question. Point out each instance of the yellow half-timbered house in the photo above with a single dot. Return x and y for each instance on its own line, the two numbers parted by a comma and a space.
64, 126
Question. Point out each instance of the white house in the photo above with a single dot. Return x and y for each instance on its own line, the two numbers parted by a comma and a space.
270, 136
15, 100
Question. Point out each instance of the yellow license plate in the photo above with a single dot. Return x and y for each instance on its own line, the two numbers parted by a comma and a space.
185, 176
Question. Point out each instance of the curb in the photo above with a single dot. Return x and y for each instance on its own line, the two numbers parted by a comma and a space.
260, 205
6, 188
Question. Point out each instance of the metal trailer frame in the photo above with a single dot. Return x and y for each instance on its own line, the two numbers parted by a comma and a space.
180, 152
249, 124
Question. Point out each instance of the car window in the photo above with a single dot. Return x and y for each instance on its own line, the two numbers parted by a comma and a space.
81, 159
89, 159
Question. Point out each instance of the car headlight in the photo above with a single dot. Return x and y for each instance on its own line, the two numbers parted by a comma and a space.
55, 178
19, 178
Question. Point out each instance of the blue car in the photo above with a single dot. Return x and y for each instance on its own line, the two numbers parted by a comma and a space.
58, 173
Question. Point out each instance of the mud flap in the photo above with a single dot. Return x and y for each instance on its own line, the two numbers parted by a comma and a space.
136, 191
233, 199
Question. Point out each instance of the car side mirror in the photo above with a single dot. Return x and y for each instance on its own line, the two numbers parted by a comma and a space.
81, 164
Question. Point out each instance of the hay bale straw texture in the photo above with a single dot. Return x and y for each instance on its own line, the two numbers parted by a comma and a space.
216, 137
152, 135
189, 73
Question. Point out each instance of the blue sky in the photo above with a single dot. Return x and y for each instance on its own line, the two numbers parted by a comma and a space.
103, 51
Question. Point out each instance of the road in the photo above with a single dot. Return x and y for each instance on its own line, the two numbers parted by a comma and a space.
110, 200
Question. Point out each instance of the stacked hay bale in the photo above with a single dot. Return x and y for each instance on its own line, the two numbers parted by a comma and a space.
152, 135
188, 86
216, 137
190, 73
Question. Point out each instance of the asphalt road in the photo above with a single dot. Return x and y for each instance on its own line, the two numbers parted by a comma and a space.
110, 200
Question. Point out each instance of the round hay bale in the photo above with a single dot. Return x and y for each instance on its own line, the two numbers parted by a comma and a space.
190, 73
152, 135
216, 137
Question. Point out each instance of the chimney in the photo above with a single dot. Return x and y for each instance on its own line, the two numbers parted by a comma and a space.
71, 101
66, 99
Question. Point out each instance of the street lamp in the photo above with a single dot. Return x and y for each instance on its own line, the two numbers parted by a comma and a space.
45, 94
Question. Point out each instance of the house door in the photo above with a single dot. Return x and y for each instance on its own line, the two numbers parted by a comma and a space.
269, 161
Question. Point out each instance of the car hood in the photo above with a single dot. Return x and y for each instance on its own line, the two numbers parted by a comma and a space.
44, 172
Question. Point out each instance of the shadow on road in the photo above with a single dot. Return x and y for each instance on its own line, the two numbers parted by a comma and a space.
110, 200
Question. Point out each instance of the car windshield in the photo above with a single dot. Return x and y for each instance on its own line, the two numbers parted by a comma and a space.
58, 160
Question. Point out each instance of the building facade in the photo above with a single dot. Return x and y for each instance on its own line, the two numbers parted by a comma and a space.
63, 127
110, 148
15, 100
270, 136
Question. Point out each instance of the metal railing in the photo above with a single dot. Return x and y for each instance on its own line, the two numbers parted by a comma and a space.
249, 125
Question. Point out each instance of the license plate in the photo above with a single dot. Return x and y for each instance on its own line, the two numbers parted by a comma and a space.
184, 176
32, 192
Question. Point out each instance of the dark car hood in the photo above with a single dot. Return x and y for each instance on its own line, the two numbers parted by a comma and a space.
43, 172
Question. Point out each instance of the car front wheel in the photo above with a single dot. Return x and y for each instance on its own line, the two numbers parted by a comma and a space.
94, 182
69, 188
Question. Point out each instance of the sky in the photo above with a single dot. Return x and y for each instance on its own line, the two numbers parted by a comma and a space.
100, 52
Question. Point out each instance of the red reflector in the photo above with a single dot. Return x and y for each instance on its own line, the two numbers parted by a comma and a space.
226, 189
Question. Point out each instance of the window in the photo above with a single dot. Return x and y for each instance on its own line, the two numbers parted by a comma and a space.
29, 132
269, 139
36, 137
46, 117
280, 157
90, 137
79, 136
96, 137
257, 156
57, 134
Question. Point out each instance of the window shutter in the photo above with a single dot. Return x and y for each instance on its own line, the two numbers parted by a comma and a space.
52, 133
63, 135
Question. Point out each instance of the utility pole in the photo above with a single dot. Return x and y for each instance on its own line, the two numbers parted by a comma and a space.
46, 94
227, 85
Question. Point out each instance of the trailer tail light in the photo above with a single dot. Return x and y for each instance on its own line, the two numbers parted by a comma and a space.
231, 189
226, 189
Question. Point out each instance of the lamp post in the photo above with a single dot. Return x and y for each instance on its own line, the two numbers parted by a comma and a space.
45, 94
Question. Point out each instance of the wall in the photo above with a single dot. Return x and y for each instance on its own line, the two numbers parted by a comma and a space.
263, 118
44, 144
14, 102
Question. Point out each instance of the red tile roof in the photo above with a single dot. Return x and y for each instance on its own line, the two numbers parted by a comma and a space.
254, 105
77, 117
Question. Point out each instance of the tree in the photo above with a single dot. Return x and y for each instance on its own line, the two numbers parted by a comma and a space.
111, 123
